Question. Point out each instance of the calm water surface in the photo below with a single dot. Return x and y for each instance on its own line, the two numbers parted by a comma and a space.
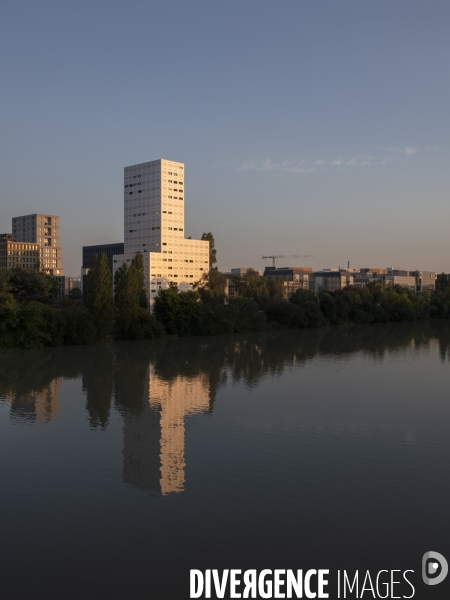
123, 466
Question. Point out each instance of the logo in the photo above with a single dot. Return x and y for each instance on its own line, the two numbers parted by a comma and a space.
434, 568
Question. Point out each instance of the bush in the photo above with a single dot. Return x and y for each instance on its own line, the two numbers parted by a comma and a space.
245, 315
144, 327
287, 315
78, 327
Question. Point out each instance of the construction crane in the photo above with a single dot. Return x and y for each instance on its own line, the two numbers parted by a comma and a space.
274, 258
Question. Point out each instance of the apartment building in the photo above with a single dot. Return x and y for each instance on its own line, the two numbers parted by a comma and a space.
42, 230
17, 254
154, 194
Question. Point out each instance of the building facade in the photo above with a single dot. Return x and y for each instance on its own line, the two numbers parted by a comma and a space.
330, 279
42, 230
154, 225
17, 254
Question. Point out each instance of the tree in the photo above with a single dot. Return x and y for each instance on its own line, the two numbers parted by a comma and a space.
130, 297
30, 286
75, 294
100, 299
252, 285
137, 274
212, 249
179, 312
211, 287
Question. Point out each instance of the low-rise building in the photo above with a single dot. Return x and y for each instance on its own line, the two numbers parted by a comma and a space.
425, 280
294, 278
72, 283
18, 254
331, 279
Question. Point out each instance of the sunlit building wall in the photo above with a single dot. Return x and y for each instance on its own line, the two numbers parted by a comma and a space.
154, 195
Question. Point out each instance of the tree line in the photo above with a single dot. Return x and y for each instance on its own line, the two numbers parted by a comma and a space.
29, 318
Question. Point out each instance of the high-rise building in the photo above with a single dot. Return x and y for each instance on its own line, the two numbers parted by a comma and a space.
154, 225
43, 230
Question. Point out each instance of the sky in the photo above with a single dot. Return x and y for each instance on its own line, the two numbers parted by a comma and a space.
314, 128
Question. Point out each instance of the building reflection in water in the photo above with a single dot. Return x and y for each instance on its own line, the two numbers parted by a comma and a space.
154, 440
35, 406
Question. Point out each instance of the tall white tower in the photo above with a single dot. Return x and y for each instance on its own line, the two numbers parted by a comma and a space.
154, 225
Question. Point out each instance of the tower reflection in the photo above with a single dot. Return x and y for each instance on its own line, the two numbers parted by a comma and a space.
154, 440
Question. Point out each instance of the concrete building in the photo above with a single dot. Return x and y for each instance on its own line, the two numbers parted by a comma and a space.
425, 280
17, 254
154, 225
415, 281
331, 279
42, 230
294, 278
88, 254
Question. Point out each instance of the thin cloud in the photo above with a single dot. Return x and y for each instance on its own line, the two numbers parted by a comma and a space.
410, 150
293, 167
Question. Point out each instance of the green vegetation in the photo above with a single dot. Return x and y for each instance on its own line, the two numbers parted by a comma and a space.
132, 317
29, 317
212, 249
100, 301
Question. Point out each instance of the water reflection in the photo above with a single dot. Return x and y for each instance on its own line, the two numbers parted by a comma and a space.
155, 386
154, 439
33, 405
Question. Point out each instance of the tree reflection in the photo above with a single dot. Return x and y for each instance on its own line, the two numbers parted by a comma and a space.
154, 386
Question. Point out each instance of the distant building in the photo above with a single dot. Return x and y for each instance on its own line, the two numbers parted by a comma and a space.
425, 280
72, 283
42, 230
17, 254
331, 279
88, 254
405, 281
243, 270
294, 278
230, 287
414, 281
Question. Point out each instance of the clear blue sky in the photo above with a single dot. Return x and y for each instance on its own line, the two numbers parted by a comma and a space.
307, 127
